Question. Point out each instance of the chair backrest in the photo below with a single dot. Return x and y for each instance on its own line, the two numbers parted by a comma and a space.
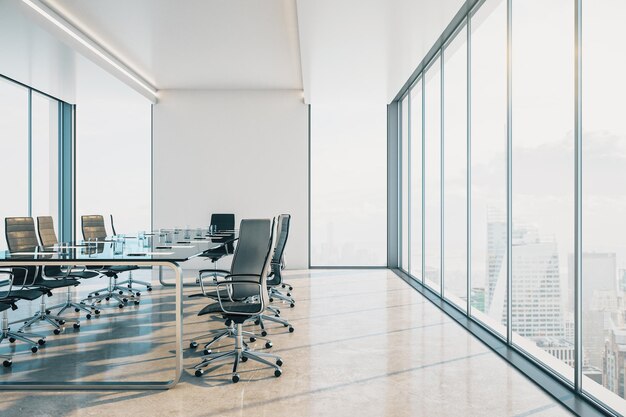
21, 237
93, 227
223, 221
20, 234
252, 256
282, 233
45, 228
112, 225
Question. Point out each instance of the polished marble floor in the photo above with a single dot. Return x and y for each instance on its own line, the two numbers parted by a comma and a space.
365, 344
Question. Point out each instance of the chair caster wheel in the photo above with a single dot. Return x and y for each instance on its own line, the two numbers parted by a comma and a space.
235, 378
279, 362
77, 325
290, 288
120, 305
291, 329
228, 322
96, 294
283, 286
89, 296
278, 373
149, 288
128, 286
41, 342
7, 363
34, 349
125, 300
193, 345
120, 292
263, 333
257, 322
97, 312
77, 310
199, 372
276, 315
136, 302
106, 298
61, 321
12, 339
252, 339
288, 294
278, 312
268, 345
271, 300
207, 351
48, 311
57, 331
88, 316
244, 359
292, 305
138, 294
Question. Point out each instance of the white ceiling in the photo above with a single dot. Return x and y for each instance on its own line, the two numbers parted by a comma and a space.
358, 51
196, 44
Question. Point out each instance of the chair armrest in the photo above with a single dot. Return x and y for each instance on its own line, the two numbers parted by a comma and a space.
244, 275
247, 282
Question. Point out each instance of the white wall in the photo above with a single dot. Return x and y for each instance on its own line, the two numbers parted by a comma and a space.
239, 151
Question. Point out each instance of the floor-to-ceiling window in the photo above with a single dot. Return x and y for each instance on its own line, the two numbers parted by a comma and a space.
604, 202
13, 152
29, 161
404, 180
488, 164
455, 169
432, 175
415, 232
532, 130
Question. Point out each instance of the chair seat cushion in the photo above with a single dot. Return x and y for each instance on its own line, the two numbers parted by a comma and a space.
28, 295
4, 306
56, 283
83, 274
244, 308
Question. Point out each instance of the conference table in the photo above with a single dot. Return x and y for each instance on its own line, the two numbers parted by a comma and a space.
153, 251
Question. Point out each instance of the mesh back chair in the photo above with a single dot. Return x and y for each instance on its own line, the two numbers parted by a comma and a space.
21, 237
15, 288
93, 229
221, 222
247, 295
130, 281
48, 238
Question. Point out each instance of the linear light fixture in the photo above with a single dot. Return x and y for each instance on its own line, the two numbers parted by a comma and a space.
90, 44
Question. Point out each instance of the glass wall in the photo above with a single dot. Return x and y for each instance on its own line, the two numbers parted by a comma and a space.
432, 176
415, 232
526, 146
604, 202
29, 163
405, 183
488, 165
13, 152
455, 169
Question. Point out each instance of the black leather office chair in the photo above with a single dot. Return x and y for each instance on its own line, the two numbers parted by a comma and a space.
275, 278
48, 238
21, 237
246, 295
94, 230
130, 281
12, 290
221, 222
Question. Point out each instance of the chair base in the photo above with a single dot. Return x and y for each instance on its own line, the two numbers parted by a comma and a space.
275, 294
69, 303
6, 333
130, 281
113, 291
241, 353
44, 315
